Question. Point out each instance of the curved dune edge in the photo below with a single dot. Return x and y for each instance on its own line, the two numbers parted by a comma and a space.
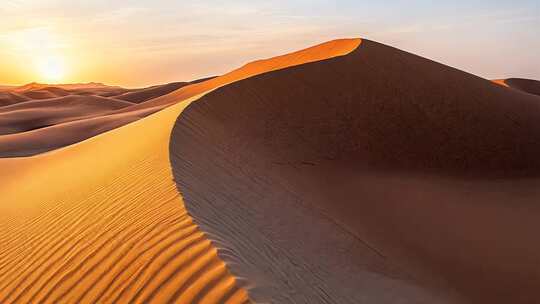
529, 86
319, 52
501, 82
427, 203
67, 133
102, 222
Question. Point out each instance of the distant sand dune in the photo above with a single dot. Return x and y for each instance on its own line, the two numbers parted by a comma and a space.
70, 132
64, 134
45, 122
9, 98
30, 115
138, 96
340, 180
526, 85
41, 94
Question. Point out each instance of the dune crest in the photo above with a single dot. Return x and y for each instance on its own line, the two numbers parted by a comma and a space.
525, 85
69, 131
348, 172
319, 52
338, 180
116, 233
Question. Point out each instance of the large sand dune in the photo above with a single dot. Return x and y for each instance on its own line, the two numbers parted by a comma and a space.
348, 172
138, 96
115, 232
377, 177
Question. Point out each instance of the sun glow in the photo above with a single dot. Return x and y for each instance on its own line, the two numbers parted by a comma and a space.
42, 51
51, 68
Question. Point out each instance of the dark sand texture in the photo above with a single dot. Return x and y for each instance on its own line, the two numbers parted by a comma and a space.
526, 85
375, 177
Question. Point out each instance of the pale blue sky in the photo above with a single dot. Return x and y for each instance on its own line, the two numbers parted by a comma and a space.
145, 42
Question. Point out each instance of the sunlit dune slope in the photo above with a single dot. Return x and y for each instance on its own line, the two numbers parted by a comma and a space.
102, 222
63, 134
500, 82
376, 177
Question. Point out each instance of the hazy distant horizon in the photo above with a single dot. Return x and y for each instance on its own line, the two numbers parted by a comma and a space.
139, 44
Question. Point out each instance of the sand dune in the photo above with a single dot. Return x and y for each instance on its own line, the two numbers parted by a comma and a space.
30, 126
117, 233
43, 94
315, 53
63, 134
30, 115
526, 85
7, 87
44, 91
337, 181
9, 98
348, 172
138, 96
68, 86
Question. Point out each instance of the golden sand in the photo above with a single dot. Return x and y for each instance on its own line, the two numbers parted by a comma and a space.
102, 221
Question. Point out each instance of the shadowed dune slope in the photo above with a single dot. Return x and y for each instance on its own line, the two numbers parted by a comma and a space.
377, 177
63, 134
41, 94
526, 85
9, 98
102, 222
35, 91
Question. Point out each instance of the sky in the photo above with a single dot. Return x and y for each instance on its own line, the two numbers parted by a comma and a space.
140, 43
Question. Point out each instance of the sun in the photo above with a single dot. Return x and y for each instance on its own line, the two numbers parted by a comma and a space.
51, 69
